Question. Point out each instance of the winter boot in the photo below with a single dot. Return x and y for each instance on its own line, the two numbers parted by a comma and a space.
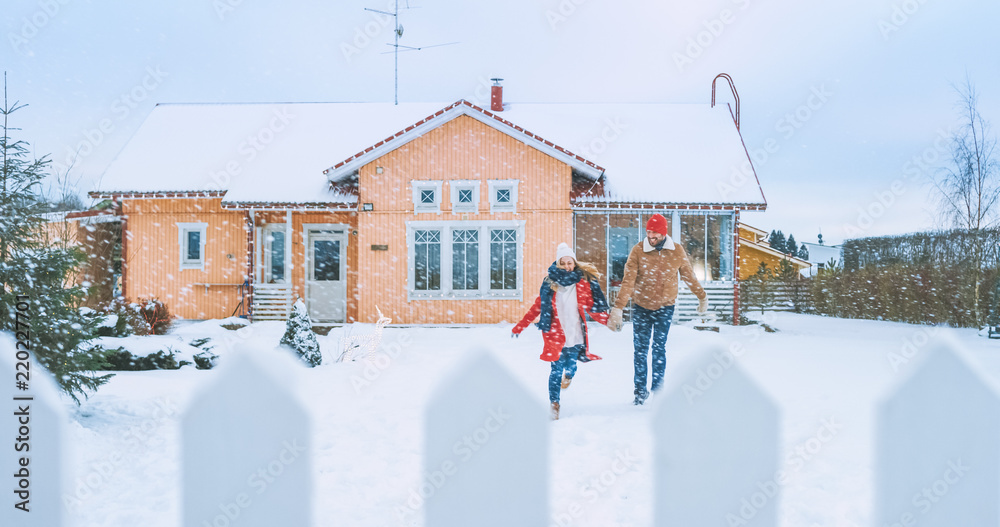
640, 396
555, 411
565, 381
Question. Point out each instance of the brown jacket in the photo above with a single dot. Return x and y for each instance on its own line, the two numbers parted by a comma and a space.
652, 277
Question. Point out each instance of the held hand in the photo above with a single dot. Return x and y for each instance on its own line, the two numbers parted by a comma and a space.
514, 335
615, 320
703, 305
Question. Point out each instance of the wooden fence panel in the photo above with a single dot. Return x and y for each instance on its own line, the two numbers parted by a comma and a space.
246, 447
486, 461
938, 447
33, 431
717, 445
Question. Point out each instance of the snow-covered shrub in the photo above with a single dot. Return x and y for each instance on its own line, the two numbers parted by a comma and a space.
121, 359
156, 314
299, 335
120, 318
204, 360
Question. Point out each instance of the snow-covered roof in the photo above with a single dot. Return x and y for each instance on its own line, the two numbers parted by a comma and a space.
651, 153
277, 153
273, 153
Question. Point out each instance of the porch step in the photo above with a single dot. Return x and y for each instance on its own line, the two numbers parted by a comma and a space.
720, 300
271, 302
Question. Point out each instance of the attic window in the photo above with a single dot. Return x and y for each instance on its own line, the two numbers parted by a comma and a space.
464, 195
503, 195
426, 196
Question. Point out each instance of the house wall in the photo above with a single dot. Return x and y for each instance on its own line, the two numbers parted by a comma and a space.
97, 241
750, 259
298, 263
462, 149
152, 255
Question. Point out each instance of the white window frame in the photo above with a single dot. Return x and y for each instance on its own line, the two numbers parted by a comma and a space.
182, 242
419, 186
459, 185
503, 184
446, 292
267, 231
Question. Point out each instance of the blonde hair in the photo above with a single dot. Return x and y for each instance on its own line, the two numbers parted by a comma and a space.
590, 272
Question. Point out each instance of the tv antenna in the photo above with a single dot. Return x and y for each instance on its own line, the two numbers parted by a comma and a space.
398, 32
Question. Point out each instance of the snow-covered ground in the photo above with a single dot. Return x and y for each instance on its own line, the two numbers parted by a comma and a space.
368, 439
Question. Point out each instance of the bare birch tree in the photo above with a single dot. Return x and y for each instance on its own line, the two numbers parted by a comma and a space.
969, 189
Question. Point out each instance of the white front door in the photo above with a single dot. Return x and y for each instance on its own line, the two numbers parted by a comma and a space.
326, 275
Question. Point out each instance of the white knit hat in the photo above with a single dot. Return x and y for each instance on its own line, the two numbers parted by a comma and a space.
564, 250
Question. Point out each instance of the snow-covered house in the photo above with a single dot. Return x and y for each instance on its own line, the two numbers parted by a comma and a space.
821, 255
434, 213
756, 250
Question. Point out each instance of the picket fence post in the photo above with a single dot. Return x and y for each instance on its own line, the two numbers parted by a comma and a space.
486, 459
938, 446
33, 432
246, 446
716, 437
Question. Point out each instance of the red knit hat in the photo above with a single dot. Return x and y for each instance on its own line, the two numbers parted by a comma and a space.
657, 223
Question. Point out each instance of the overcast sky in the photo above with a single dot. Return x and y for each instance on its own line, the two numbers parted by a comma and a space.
837, 98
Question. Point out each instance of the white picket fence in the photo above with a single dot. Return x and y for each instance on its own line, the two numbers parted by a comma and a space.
939, 426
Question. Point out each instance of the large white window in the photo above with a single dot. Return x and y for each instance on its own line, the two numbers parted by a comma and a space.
464, 196
503, 195
191, 238
426, 196
465, 259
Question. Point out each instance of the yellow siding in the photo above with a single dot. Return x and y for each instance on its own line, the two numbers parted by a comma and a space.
152, 255
463, 149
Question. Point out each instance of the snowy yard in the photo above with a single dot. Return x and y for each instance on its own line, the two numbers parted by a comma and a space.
827, 376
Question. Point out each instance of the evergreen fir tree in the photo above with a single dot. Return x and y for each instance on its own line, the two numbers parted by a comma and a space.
777, 241
791, 247
299, 335
757, 291
36, 272
803, 253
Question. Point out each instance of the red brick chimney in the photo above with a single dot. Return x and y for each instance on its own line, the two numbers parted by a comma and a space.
496, 96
